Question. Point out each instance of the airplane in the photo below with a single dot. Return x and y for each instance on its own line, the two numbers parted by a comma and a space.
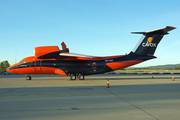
52, 60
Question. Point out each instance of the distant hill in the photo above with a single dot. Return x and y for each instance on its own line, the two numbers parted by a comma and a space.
158, 66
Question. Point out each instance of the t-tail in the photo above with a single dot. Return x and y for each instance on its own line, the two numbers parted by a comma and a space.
150, 40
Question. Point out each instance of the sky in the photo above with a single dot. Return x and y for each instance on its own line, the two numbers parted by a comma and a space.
90, 27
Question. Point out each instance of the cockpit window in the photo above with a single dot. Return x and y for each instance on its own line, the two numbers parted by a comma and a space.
22, 61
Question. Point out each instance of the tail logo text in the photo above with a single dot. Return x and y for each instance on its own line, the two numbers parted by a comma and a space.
148, 43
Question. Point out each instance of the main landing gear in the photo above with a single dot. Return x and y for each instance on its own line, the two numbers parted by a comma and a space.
28, 77
73, 76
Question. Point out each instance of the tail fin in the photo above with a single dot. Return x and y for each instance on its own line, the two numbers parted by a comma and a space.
149, 40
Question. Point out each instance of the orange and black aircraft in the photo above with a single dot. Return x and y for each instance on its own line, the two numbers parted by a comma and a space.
52, 60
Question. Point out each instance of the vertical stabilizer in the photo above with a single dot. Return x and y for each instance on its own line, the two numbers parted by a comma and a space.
150, 40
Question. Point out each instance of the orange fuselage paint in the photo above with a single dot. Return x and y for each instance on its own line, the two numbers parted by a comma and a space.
39, 51
122, 64
68, 65
32, 68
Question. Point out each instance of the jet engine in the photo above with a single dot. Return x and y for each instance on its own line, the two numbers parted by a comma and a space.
46, 52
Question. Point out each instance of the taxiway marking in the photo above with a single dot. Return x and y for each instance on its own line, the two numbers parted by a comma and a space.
66, 95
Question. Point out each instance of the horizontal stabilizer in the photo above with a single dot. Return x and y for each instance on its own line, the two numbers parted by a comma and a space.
161, 31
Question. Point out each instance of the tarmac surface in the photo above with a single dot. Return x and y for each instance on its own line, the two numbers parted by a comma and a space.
130, 97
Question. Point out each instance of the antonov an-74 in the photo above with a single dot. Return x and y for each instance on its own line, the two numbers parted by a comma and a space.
52, 60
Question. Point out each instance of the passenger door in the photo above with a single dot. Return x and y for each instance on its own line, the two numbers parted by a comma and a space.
37, 66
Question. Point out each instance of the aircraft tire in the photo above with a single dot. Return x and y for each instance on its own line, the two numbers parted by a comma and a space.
81, 77
72, 77
28, 77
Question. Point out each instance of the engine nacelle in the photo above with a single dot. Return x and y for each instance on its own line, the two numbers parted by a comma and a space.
45, 52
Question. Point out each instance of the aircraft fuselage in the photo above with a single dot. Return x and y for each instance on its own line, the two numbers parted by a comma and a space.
66, 67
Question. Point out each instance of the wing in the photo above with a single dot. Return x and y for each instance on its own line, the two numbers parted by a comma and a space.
51, 52
67, 54
75, 55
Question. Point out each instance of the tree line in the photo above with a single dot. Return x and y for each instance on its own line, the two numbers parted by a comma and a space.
4, 64
176, 68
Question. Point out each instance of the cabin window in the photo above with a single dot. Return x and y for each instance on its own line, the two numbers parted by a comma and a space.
94, 65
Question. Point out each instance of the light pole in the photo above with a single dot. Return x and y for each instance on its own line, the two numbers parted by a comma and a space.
15, 58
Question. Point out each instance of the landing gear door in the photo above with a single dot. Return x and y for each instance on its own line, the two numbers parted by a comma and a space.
37, 66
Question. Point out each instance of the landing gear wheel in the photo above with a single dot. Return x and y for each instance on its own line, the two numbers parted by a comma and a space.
72, 77
81, 77
28, 77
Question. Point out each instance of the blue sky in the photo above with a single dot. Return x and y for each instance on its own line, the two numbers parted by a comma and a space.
91, 27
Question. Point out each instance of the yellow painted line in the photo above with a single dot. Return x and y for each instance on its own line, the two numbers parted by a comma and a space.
65, 95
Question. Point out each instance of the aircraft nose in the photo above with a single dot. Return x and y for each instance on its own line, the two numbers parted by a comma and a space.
7, 69
10, 70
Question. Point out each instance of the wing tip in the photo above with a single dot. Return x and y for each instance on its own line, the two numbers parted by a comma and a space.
171, 27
